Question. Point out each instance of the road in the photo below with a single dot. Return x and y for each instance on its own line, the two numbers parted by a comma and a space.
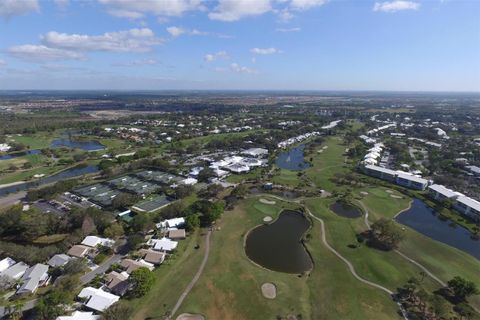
11, 199
195, 278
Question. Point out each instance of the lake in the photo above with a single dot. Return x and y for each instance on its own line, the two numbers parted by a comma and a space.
278, 247
346, 210
423, 219
87, 145
292, 159
14, 155
65, 174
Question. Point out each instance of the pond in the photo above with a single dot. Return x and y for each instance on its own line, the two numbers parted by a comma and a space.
87, 145
346, 209
65, 174
423, 219
292, 159
278, 247
14, 155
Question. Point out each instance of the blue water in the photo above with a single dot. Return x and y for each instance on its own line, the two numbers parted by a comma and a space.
19, 154
292, 159
89, 145
65, 174
423, 219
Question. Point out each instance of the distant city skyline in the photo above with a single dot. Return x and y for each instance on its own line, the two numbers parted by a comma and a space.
395, 45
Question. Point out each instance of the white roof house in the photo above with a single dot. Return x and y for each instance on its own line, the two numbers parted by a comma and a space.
80, 315
255, 152
6, 263
171, 223
16, 271
189, 181
58, 260
93, 241
97, 299
164, 244
33, 278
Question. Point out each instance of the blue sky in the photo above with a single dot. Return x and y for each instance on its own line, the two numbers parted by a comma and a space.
402, 45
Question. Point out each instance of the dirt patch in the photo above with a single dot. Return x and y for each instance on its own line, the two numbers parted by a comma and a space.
266, 201
269, 290
395, 197
190, 316
267, 219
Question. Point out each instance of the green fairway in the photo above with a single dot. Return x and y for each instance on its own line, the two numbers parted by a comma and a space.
230, 285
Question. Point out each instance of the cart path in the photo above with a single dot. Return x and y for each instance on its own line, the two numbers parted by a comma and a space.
195, 278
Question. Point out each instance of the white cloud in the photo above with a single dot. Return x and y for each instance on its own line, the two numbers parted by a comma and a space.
396, 5
43, 53
175, 31
215, 56
242, 69
135, 9
2, 62
306, 4
10, 8
234, 10
141, 62
133, 40
178, 31
265, 51
295, 29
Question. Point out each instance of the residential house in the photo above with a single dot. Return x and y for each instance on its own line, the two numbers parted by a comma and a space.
80, 315
131, 265
97, 299
6, 263
16, 271
117, 283
176, 234
468, 206
59, 260
34, 277
151, 256
94, 241
78, 251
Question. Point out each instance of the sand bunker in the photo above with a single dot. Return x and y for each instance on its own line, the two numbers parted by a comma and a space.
396, 197
269, 290
267, 219
365, 193
190, 316
265, 201
389, 191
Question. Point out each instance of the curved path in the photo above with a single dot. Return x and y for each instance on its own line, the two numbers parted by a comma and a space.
195, 278
424, 269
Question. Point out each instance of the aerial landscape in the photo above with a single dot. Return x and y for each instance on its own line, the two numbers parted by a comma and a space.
239, 159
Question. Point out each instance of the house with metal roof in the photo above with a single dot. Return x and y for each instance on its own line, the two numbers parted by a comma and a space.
58, 260
97, 299
80, 315
16, 271
33, 278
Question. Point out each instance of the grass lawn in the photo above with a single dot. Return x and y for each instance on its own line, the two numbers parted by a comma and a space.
35, 141
238, 178
327, 163
230, 285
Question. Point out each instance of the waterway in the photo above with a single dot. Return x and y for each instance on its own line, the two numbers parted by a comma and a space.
292, 159
425, 220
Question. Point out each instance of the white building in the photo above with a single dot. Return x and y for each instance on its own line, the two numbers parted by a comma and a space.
163, 244
80, 315
255, 152
94, 241
442, 193
97, 299
171, 223
6, 263
16, 271
468, 206
33, 278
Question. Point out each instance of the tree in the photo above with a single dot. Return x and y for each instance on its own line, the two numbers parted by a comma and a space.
213, 212
240, 191
124, 200
192, 221
75, 266
118, 311
141, 222
141, 281
462, 288
385, 235
183, 191
114, 231
205, 175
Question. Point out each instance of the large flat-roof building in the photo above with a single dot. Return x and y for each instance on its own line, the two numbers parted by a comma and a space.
401, 178
468, 206
442, 193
